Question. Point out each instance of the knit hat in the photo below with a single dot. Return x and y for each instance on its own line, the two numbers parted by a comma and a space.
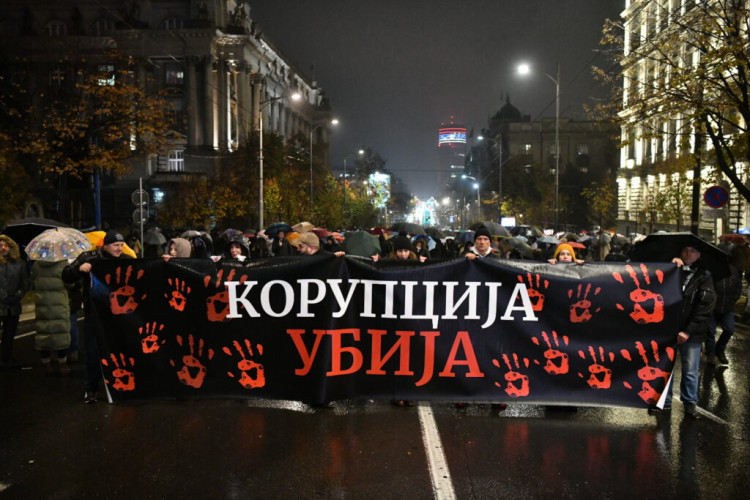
310, 239
113, 236
482, 231
564, 246
401, 243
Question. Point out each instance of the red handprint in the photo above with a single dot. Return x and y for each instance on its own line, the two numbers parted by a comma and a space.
217, 305
124, 379
518, 383
600, 377
252, 374
580, 311
193, 371
178, 295
534, 289
150, 343
557, 361
122, 300
648, 307
649, 373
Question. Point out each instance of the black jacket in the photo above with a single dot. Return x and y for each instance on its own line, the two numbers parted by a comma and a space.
71, 273
698, 300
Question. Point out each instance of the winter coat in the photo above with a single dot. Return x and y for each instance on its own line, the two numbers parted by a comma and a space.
698, 300
728, 291
52, 307
14, 280
183, 247
72, 274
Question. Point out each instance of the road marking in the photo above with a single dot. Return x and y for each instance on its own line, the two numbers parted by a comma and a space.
442, 484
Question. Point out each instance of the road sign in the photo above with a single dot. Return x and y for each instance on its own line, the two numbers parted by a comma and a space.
140, 215
716, 196
139, 197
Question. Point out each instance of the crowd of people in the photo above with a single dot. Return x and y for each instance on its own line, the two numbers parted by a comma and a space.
62, 288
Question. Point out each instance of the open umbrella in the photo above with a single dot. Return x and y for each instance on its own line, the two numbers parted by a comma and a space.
465, 236
23, 230
276, 227
407, 227
154, 236
60, 243
361, 243
377, 231
494, 228
434, 233
548, 239
321, 232
520, 246
733, 238
663, 247
303, 227
97, 240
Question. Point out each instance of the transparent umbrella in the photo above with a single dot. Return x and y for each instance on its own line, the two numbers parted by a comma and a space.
60, 243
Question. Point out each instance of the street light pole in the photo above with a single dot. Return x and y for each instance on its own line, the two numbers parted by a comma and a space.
350, 155
524, 69
295, 97
312, 131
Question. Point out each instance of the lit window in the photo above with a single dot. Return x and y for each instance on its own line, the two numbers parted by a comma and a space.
176, 162
525, 149
174, 74
106, 75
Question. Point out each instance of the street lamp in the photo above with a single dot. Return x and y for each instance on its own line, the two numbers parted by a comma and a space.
525, 69
333, 122
475, 186
350, 155
499, 174
295, 97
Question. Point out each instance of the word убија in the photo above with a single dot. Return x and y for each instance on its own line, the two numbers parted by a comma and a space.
314, 291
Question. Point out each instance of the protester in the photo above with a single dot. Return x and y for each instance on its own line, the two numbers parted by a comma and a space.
564, 253
482, 248
52, 308
79, 269
309, 244
178, 247
236, 253
420, 248
698, 300
728, 291
14, 283
280, 247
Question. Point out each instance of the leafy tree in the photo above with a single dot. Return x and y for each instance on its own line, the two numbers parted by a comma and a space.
13, 191
107, 118
692, 65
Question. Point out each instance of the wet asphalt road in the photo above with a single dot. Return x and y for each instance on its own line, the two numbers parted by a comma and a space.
54, 446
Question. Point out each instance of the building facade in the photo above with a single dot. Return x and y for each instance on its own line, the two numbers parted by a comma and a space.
221, 73
650, 196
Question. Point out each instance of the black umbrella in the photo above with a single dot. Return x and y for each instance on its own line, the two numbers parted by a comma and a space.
434, 233
520, 246
407, 227
154, 237
494, 228
361, 243
663, 247
276, 227
22, 231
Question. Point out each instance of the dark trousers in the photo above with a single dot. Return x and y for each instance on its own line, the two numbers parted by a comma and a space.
726, 322
93, 370
9, 325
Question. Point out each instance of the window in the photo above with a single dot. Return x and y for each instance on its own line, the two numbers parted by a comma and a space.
171, 23
101, 27
174, 74
57, 77
106, 75
56, 28
525, 149
176, 162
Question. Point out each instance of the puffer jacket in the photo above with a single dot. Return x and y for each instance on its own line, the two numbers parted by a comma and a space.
52, 307
698, 300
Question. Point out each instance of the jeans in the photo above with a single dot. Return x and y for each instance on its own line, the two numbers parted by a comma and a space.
726, 322
73, 332
690, 358
10, 327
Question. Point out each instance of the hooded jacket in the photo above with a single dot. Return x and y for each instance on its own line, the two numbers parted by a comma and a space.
698, 300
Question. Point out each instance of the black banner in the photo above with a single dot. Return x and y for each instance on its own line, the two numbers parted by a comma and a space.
319, 329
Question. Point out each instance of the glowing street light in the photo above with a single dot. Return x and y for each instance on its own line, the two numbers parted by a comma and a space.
296, 96
525, 69
334, 122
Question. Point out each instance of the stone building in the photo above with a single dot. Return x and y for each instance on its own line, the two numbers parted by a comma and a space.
220, 71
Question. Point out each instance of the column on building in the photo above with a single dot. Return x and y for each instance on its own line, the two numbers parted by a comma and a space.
222, 105
195, 118
210, 99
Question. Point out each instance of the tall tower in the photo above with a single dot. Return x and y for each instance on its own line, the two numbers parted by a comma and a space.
451, 152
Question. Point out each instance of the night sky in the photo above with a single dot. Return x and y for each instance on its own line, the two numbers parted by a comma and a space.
394, 70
